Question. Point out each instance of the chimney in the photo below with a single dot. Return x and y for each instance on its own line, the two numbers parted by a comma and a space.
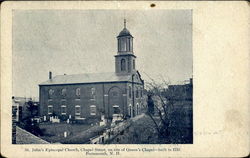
50, 75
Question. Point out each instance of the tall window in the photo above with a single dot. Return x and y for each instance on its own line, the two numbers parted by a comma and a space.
92, 110
92, 93
119, 45
51, 92
123, 44
50, 109
128, 44
129, 92
129, 66
78, 92
130, 110
123, 68
64, 92
134, 64
63, 109
115, 94
131, 44
137, 93
137, 109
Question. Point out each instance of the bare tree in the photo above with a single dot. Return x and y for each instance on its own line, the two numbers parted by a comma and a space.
166, 112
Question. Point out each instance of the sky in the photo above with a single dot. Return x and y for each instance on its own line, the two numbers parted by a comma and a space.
84, 41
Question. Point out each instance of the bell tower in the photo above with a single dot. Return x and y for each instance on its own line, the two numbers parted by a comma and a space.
125, 58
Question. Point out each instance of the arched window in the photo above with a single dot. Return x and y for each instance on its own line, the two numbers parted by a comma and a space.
123, 68
123, 44
63, 92
129, 67
129, 92
51, 92
137, 108
130, 110
137, 93
92, 94
78, 92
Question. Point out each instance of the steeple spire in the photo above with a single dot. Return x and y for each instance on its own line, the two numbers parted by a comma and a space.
124, 23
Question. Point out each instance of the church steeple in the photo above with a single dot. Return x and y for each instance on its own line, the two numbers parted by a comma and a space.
125, 40
125, 58
124, 23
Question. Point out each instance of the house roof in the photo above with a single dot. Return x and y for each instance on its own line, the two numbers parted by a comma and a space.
87, 78
25, 137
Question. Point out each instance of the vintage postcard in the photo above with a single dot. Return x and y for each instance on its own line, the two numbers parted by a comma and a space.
124, 79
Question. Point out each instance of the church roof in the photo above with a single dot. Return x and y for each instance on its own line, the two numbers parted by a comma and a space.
124, 32
87, 78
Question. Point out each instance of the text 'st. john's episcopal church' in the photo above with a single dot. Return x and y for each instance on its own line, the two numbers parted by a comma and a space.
86, 96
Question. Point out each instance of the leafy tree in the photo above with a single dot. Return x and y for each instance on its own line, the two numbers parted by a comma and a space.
28, 122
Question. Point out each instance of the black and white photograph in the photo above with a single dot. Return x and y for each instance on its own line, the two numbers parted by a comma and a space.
124, 79
102, 77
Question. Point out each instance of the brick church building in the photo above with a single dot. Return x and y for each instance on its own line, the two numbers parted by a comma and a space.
85, 96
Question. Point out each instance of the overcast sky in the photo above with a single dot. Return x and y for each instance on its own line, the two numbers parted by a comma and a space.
84, 41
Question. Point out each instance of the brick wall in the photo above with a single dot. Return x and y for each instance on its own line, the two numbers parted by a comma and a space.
105, 96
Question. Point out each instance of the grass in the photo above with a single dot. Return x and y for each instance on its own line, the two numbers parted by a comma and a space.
54, 133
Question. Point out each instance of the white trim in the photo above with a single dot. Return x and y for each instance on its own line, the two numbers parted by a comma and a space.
63, 106
92, 113
105, 95
78, 106
50, 106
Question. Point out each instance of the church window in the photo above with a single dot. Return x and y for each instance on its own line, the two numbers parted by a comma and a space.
130, 110
119, 45
128, 44
131, 44
92, 110
50, 109
114, 94
137, 109
77, 110
116, 109
137, 93
123, 65
129, 67
92, 93
63, 92
51, 92
78, 92
133, 64
129, 92
63, 109
123, 44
